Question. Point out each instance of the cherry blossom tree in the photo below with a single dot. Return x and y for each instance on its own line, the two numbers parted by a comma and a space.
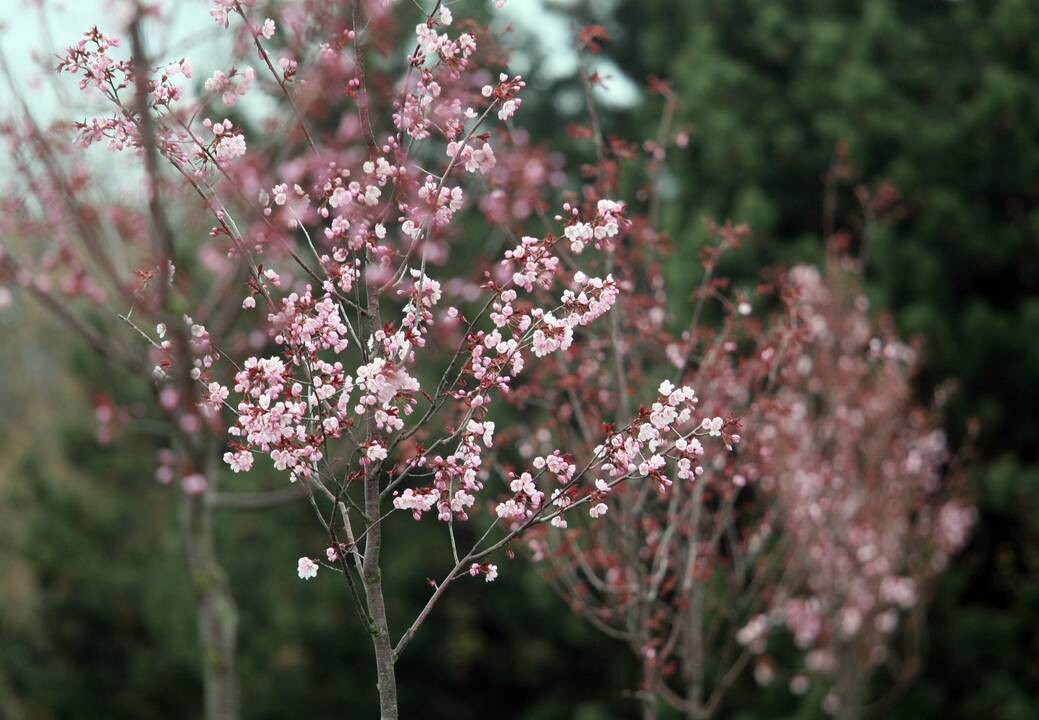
868, 493
106, 268
830, 522
675, 567
300, 331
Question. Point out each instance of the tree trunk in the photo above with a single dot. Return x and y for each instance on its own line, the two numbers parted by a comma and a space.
850, 689
387, 682
217, 613
649, 694
694, 639
371, 570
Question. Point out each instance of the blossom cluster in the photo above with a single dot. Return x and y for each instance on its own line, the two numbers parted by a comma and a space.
858, 478
602, 228
231, 85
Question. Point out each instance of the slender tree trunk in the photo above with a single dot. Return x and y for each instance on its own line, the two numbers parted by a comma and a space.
371, 570
387, 681
217, 612
649, 695
694, 651
695, 655
851, 688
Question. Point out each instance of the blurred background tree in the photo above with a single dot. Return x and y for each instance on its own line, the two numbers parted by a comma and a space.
938, 99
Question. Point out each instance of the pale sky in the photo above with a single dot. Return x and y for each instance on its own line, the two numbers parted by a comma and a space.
26, 39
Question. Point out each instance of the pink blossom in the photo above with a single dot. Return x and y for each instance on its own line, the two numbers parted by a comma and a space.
306, 568
194, 484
